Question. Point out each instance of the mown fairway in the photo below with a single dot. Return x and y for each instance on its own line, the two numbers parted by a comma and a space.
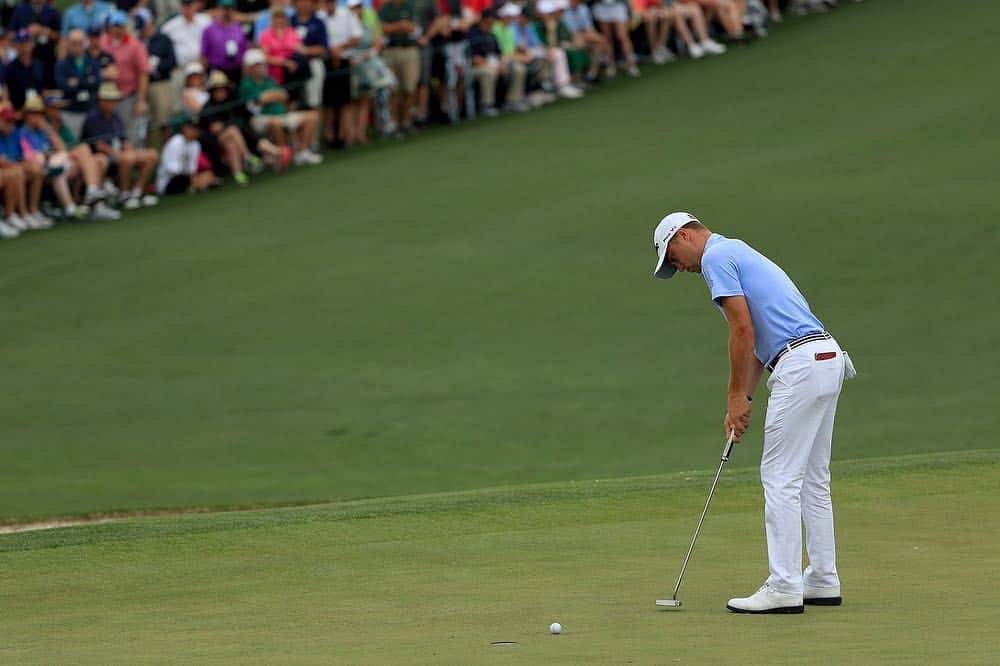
475, 308
437, 579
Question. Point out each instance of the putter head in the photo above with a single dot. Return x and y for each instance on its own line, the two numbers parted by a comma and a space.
668, 603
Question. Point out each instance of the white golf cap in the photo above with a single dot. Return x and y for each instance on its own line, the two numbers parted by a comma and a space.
193, 68
665, 230
353, 3
545, 7
561, 5
509, 9
254, 57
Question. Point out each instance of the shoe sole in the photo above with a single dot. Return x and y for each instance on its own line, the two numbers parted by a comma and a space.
823, 601
781, 610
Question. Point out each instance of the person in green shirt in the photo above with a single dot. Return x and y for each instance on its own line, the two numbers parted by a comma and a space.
554, 35
270, 117
402, 55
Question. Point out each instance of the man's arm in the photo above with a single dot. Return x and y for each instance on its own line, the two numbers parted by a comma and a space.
744, 368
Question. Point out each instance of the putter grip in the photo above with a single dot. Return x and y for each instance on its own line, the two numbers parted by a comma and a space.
729, 447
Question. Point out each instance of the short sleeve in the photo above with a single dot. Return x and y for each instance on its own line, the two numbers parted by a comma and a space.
722, 275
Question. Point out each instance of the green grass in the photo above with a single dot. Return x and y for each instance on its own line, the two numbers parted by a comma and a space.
474, 307
437, 579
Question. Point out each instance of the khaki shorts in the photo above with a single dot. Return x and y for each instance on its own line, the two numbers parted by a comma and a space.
290, 121
404, 61
162, 100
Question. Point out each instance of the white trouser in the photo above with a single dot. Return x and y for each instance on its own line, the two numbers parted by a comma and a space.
795, 466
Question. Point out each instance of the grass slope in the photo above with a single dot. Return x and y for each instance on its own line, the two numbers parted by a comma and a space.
474, 307
437, 579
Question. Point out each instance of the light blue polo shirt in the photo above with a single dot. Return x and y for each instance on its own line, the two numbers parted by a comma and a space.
779, 312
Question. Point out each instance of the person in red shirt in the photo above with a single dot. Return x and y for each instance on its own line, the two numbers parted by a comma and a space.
132, 64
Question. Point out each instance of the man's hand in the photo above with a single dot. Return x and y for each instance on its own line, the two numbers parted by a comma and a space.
737, 416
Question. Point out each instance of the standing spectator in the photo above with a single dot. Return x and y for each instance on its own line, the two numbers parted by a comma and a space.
78, 76
344, 32
280, 42
315, 49
263, 21
43, 22
132, 63
430, 24
223, 43
185, 31
612, 17
24, 75
579, 22
178, 172
453, 40
86, 15
105, 133
403, 56
270, 117
161, 97
372, 81
105, 61
486, 61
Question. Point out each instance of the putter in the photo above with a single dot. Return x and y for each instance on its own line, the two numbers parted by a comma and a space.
674, 602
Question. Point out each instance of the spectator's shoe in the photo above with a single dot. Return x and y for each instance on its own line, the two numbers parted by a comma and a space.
776, 16
39, 221
767, 600
570, 92
661, 56
254, 164
307, 157
633, 71
696, 51
17, 223
102, 211
489, 112
149, 200
611, 72
131, 203
109, 190
713, 47
241, 179
92, 195
517, 107
8, 231
74, 213
821, 596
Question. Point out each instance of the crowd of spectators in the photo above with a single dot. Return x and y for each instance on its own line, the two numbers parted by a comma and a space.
106, 107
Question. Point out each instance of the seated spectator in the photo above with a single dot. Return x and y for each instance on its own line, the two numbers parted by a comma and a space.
556, 39
270, 117
579, 22
45, 152
728, 12
105, 133
85, 166
402, 55
23, 74
42, 21
178, 171
486, 58
223, 43
514, 61
86, 15
690, 12
612, 18
225, 138
195, 94
280, 42
657, 20
78, 76
24, 178
132, 81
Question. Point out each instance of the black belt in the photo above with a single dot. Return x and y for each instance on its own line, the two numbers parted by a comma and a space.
797, 342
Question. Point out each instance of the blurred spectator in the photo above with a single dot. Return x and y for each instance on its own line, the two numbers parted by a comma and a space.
657, 20
315, 49
26, 175
84, 164
556, 39
161, 97
226, 139
24, 74
178, 171
104, 131
685, 12
402, 54
579, 22
86, 15
612, 17
264, 20
78, 76
514, 61
43, 22
427, 16
453, 40
344, 32
223, 43
486, 61
132, 63
728, 12
185, 31
105, 61
372, 82
270, 117
195, 94
280, 42
45, 152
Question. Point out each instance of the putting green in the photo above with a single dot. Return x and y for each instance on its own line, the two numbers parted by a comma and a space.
437, 579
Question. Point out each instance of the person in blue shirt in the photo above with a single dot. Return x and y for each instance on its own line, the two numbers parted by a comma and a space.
771, 326
23, 74
44, 23
86, 15
23, 178
313, 53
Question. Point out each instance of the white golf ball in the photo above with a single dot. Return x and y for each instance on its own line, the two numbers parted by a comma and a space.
555, 628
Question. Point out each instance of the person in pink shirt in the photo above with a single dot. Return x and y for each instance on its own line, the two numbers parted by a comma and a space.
132, 63
280, 42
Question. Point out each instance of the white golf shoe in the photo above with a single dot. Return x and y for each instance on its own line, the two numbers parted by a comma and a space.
821, 596
767, 600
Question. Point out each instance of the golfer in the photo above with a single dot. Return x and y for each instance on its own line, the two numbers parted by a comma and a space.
772, 327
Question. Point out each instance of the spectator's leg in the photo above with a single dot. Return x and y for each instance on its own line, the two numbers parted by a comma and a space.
774, 6
518, 74
308, 126
35, 176
21, 178
277, 131
60, 185
486, 79
202, 180
126, 161
146, 160
621, 30
235, 136
232, 154
362, 109
691, 12
608, 32
13, 184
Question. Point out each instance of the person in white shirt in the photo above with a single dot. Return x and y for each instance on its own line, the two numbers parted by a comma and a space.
184, 30
178, 171
344, 32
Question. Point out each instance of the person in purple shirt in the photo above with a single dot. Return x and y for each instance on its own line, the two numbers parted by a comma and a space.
223, 43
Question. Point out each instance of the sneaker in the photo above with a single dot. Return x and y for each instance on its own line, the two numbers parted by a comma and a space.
611, 72
149, 200
489, 112
131, 203
102, 211
570, 92
767, 600
663, 55
516, 107
241, 178
8, 231
306, 157
17, 223
821, 596
633, 71
38, 221
713, 47
696, 51
121, 199
254, 164
92, 195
